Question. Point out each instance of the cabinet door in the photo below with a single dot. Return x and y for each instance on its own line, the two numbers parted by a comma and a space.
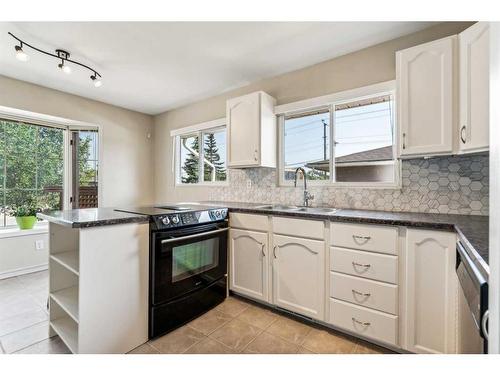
243, 119
474, 88
431, 290
248, 252
425, 77
299, 275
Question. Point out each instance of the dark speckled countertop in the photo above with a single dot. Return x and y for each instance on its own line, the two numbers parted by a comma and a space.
91, 217
473, 230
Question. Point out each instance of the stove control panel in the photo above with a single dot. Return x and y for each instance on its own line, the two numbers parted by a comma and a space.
189, 218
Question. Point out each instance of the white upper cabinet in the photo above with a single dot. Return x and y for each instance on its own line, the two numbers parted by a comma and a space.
431, 291
251, 129
426, 80
474, 88
299, 275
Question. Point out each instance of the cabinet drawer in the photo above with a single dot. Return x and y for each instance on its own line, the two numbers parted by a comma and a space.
248, 221
299, 227
364, 264
366, 322
368, 293
381, 239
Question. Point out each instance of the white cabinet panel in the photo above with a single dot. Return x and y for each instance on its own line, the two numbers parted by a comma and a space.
249, 221
474, 88
426, 80
430, 291
368, 293
249, 265
364, 264
366, 322
376, 238
299, 227
251, 129
299, 275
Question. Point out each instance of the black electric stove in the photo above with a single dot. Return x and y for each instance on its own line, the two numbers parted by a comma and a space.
187, 262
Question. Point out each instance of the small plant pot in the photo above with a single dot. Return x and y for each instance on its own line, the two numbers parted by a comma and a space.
26, 222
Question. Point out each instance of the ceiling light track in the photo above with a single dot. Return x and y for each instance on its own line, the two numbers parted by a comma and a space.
59, 54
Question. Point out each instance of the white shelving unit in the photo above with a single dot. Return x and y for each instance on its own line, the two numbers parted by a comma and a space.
99, 286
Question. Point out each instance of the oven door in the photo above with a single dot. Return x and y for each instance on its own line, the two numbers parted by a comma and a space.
187, 259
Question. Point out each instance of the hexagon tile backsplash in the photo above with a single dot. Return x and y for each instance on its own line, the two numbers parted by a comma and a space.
455, 185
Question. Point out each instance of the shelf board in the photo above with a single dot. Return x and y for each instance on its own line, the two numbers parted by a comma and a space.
67, 330
68, 259
67, 299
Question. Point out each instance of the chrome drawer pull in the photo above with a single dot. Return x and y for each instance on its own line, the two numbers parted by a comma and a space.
361, 265
361, 240
361, 294
366, 324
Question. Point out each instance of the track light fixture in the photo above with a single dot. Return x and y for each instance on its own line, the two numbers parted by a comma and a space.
61, 55
20, 54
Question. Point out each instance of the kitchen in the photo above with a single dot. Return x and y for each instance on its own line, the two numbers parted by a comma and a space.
327, 205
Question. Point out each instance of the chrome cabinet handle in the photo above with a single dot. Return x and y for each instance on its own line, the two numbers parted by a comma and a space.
364, 239
355, 264
274, 251
484, 324
404, 141
462, 138
262, 249
366, 324
361, 294
255, 155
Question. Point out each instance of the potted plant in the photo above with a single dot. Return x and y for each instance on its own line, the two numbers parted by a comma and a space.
24, 211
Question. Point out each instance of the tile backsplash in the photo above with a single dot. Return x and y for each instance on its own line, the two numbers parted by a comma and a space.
456, 185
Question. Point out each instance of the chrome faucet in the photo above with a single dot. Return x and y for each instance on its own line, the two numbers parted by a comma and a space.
307, 195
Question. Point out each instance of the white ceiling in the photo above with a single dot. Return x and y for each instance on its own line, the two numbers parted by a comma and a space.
152, 67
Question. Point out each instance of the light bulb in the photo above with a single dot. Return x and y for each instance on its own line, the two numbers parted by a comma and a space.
65, 68
21, 55
97, 82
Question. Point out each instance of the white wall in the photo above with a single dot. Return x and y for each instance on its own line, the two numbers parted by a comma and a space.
368, 66
125, 167
18, 254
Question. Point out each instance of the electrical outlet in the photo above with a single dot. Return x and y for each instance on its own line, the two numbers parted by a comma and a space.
39, 245
249, 184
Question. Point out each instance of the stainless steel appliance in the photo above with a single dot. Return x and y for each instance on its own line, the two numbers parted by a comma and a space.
188, 263
473, 304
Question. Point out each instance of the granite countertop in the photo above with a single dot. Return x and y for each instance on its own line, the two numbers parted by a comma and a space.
91, 217
473, 230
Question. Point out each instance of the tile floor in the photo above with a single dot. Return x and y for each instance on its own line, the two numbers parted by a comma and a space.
235, 326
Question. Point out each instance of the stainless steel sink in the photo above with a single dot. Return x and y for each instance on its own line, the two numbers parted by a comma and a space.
281, 207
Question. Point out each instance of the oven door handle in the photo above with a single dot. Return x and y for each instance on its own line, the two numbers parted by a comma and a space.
194, 235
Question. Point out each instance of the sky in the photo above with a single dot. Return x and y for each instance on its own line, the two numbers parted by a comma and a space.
357, 129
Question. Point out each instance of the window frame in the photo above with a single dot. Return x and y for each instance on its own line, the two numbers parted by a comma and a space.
33, 118
330, 101
199, 130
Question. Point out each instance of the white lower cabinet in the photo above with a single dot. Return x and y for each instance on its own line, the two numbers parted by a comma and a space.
248, 263
431, 291
370, 323
299, 275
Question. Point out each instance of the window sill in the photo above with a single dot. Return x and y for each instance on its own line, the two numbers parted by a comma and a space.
203, 184
9, 232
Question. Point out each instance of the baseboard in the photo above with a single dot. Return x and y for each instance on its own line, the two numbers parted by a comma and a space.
23, 271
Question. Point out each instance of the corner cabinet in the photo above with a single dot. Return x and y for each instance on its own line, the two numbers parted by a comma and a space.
251, 129
474, 88
249, 267
426, 80
431, 292
299, 275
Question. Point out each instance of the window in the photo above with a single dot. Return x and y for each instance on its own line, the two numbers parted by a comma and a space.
363, 148
201, 156
32, 167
